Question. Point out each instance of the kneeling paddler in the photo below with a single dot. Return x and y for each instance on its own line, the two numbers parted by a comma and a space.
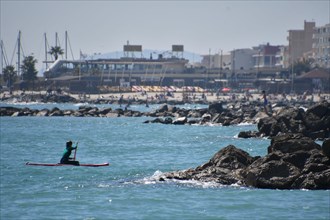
66, 159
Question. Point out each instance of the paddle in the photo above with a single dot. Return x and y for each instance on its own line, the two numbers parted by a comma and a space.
75, 152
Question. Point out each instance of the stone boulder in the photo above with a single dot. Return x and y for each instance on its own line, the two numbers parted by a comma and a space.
215, 108
248, 134
326, 148
274, 174
314, 123
292, 162
290, 143
224, 167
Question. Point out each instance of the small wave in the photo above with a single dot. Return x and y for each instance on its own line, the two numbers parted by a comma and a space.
19, 103
150, 180
83, 104
245, 124
155, 179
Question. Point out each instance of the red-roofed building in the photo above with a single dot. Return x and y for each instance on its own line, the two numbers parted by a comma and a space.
316, 79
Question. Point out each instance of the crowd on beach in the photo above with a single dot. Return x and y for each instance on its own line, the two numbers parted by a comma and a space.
185, 97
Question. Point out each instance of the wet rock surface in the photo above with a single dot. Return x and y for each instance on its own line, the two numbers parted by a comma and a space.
313, 123
292, 162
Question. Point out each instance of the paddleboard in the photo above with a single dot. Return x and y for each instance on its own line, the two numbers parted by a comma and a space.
62, 164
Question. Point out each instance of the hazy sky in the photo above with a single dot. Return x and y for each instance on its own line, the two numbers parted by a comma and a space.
105, 26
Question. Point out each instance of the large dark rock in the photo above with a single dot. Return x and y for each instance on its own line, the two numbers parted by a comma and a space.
320, 110
163, 108
215, 108
248, 134
232, 158
326, 147
290, 143
224, 167
275, 174
314, 123
292, 162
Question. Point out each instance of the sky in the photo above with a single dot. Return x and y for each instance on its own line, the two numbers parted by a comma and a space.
105, 26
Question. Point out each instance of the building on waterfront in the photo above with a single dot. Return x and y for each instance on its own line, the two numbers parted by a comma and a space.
265, 56
237, 59
281, 57
300, 42
266, 67
316, 80
218, 60
242, 59
321, 46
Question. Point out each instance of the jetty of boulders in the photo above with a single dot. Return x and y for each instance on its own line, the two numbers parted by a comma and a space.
292, 162
294, 159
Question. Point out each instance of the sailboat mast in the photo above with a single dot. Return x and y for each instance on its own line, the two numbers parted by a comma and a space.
19, 54
66, 45
2, 56
56, 39
46, 52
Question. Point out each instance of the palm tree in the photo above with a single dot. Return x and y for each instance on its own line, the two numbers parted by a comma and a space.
9, 76
304, 65
29, 71
56, 51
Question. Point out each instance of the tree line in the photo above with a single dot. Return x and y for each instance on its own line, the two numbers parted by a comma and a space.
28, 69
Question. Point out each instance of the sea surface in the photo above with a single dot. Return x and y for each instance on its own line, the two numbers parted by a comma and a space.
127, 189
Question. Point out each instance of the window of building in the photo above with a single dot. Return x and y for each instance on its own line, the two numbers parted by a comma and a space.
267, 61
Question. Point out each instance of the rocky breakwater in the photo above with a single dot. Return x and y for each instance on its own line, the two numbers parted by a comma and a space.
42, 98
292, 162
235, 113
313, 123
83, 111
166, 114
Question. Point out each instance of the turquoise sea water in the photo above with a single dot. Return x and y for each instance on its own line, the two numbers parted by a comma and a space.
127, 189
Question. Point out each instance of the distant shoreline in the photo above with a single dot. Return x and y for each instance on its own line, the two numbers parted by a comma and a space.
175, 97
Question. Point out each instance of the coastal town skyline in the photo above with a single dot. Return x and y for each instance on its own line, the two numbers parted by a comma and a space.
202, 27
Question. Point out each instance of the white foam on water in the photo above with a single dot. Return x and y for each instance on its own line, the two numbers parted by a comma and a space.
245, 124
155, 179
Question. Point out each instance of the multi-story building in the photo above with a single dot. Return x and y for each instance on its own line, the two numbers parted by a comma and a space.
265, 56
218, 60
282, 60
321, 46
238, 59
242, 59
300, 41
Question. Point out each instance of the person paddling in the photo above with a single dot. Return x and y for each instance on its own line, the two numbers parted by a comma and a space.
66, 159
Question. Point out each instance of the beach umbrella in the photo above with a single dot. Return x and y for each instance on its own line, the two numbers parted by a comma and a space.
225, 89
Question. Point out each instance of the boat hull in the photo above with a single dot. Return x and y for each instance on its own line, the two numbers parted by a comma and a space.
62, 164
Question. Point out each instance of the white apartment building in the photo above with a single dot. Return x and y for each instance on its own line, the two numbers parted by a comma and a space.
218, 60
321, 46
242, 59
282, 56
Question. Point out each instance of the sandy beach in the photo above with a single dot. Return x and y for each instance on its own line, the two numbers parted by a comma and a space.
178, 96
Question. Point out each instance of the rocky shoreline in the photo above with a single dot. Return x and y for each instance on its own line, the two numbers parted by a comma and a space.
281, 119
294, 160
313, 123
